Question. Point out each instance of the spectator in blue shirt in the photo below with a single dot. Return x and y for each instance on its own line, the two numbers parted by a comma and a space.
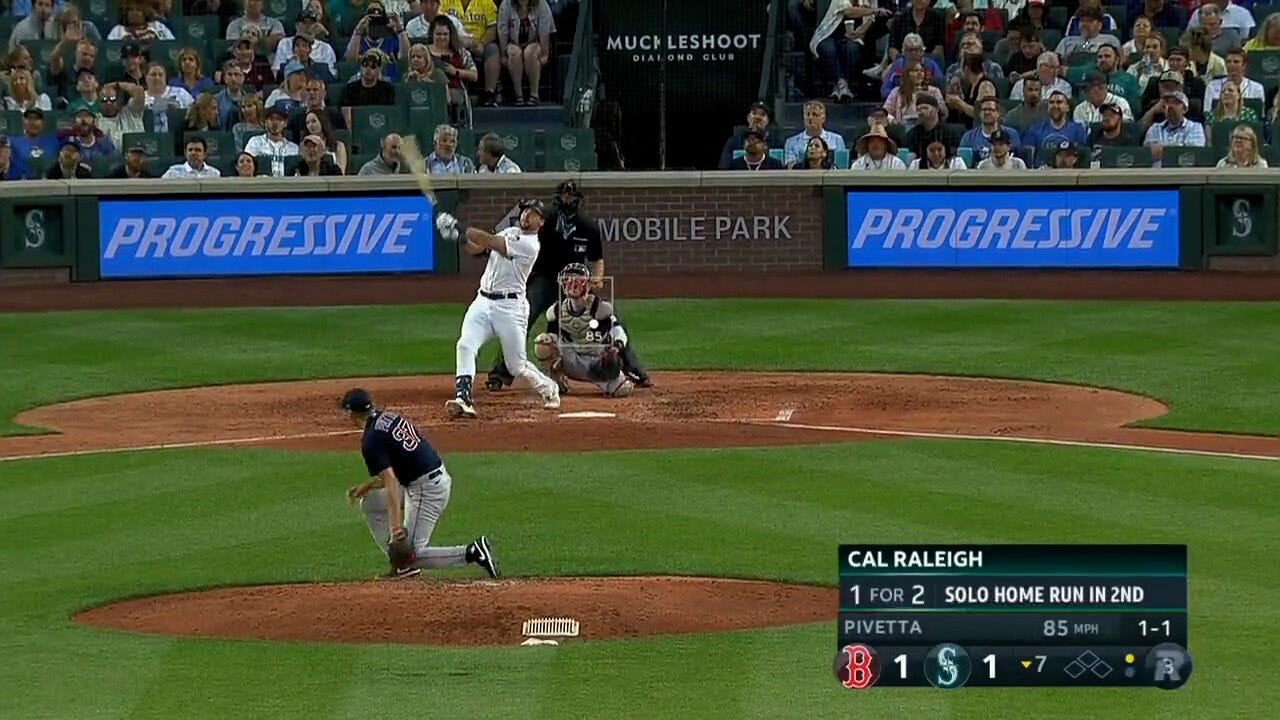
88, 139
1109, 26
815, 119
11, 168
1057, 127
979, 138
34, 143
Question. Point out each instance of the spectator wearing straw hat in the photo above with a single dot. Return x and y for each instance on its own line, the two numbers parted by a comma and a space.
877, 151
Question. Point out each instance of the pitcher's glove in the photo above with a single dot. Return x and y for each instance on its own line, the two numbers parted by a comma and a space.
401, 554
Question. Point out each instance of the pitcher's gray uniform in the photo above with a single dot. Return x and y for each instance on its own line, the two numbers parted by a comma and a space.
584, 339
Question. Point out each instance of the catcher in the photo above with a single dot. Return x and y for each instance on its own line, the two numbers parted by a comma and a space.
584, 340
407, 494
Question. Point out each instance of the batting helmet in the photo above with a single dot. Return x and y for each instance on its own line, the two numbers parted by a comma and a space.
573, 280
535, 205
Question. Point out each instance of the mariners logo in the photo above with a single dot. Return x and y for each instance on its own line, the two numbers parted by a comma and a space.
947, 666
1241, 218
34, 222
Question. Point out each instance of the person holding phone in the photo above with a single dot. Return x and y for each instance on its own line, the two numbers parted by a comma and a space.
457, 64
381, 31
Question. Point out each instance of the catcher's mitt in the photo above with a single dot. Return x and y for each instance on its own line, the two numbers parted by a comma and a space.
610, 362
401, 554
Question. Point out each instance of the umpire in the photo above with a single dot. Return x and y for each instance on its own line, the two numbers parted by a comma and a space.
567, 236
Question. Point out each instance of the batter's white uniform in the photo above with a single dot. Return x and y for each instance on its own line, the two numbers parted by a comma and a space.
501, 309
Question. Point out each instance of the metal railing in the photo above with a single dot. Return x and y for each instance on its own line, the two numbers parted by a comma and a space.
769, 72
584, 75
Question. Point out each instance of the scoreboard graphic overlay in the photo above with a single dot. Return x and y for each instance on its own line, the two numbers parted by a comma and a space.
950, 616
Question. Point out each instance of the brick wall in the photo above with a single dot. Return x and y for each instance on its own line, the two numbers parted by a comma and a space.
718, 229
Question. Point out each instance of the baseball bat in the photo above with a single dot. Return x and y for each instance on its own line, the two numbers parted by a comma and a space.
418, 166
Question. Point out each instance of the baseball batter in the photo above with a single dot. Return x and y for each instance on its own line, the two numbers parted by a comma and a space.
409, 490
500, 309
584, 340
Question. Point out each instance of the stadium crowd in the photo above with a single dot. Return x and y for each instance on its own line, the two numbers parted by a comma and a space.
1018, 84
145, 88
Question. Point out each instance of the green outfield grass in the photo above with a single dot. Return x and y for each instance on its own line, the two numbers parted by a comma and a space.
1215, 363
81, 531
87, 530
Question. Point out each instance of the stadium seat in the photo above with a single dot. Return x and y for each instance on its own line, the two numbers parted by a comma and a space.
965, 154
1125, 157
284, 11
1264, 66
841, 161
1050, 38
1120, 14
152, 143
570, 139
104, 14
521, 144
1188, 157
904, 155
370, 124
1271, 153
1172, 36
1260, 12
157, 165
166, 52
1058, 16
197, 30
423, 122
102, 165
1220, 134
40, 50
333, 94
422, 95
467, 140
576, 160
10, 122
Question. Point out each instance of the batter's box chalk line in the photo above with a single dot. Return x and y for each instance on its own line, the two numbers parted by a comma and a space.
550, 628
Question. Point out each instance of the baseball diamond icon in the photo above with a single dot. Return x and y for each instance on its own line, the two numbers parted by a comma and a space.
420, 97
1087, 661
568, 142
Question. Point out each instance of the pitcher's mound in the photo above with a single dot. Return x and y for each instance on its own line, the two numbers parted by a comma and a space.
472, 612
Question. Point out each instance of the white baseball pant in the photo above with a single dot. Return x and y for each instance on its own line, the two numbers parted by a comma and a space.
508, 320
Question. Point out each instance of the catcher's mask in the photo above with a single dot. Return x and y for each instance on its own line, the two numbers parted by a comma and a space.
573, 280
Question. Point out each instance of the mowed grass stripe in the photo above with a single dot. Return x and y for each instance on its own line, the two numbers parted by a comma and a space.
1210, 361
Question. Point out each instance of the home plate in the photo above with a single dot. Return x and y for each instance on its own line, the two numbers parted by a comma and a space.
586, 414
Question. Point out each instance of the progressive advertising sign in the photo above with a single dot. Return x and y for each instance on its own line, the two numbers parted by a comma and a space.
265, 236
1043, 229
704, 58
